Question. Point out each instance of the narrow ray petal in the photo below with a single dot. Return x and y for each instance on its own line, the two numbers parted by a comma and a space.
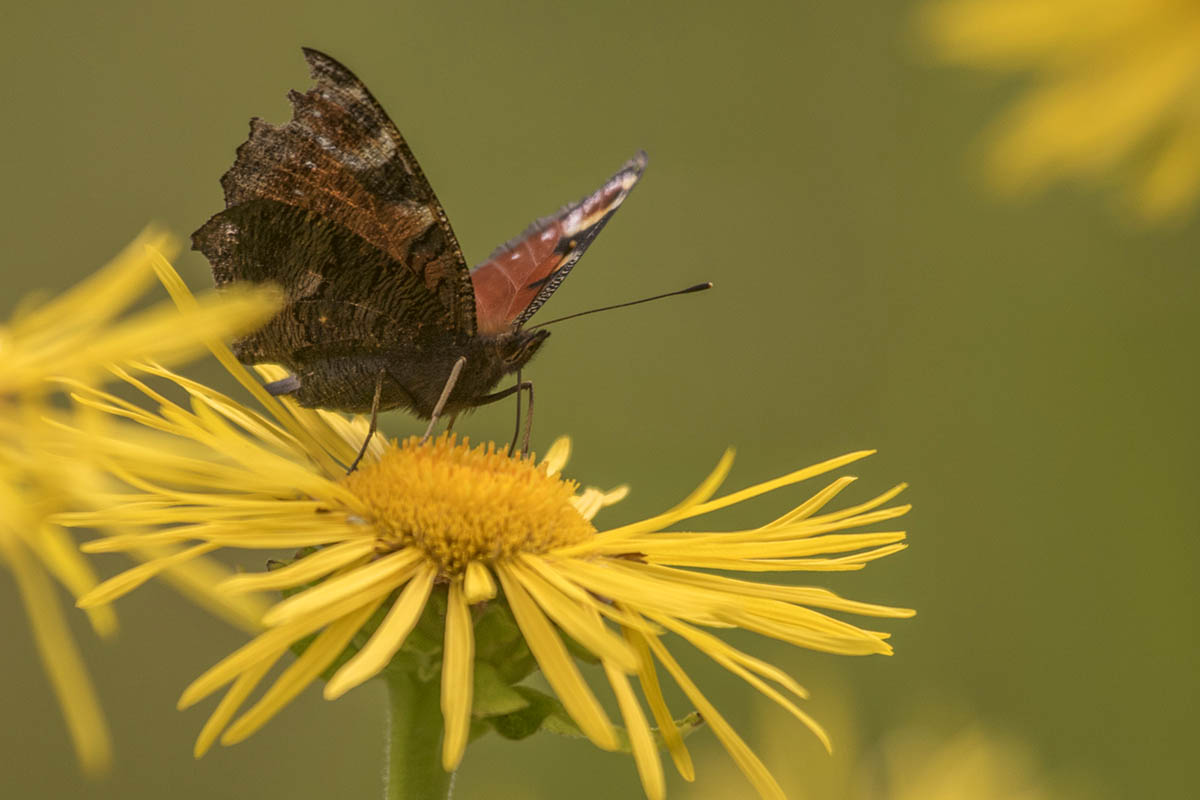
557, 456
130, 579
648, 678
457, 662
388, 637
560, 670
584, 627
743, 756
61, 660
232, 701
478, 584
184, 300
328, 645
393, 568
263, 645
814, 503
742, 665
310, 568
645, 754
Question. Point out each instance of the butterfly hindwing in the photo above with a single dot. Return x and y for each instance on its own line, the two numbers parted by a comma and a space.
326, 273
522, 274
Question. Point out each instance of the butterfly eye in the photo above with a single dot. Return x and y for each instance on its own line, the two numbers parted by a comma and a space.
518, 350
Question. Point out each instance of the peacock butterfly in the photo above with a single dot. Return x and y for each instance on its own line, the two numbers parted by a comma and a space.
380, 308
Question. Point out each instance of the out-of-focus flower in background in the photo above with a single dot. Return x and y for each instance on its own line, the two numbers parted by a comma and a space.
938, 753
429, 542
1114, 91
923, 762
76, 336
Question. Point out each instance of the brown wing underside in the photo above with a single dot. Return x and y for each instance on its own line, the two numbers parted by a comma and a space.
522, 274
341, 168
344, 295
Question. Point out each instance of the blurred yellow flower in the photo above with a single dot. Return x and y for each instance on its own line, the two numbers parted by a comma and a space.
447, 526
1117, 89
921, 763
77, 335
938, 755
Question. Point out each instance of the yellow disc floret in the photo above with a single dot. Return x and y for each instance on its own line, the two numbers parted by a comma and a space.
459, 503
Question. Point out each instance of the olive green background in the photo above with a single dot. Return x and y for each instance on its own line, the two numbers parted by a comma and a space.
1030, 368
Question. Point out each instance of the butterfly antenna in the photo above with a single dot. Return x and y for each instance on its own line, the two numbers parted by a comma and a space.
699, 287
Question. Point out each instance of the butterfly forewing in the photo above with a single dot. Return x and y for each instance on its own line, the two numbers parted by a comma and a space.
522, 274
340, 161
380, 310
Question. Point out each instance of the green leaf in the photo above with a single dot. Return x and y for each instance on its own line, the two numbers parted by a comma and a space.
543, 712
493, 696
498, 642
529, 720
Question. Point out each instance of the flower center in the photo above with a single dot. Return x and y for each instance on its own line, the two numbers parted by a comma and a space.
459, 503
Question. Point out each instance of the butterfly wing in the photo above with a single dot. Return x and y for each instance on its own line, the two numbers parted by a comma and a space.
333, 207
522, 274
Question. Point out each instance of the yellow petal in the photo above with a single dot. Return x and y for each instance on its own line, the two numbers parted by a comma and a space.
267, 645
393, 568
558, 667
457, 687
557, 455
60, 556
328, 645
305, 570
231, 702
648, 678
741, 664
184, 300
388, 637
61, 660
478, 586
814, 503
762, 780
645, 754
577, 621
130, 579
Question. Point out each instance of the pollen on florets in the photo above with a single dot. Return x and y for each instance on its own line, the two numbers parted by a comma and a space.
460, 504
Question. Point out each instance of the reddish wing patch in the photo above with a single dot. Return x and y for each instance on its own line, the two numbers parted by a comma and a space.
520, 275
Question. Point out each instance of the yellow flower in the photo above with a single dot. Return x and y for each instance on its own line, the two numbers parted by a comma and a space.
1118, 88
78, 335
445, 526
75, 334
940, 754
921, 763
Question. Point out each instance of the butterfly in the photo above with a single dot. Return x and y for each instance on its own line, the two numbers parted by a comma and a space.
380, 310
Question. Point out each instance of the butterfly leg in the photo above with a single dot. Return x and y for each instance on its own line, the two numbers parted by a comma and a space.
527, 386
441, 403
503, 393
517, 430
374, 422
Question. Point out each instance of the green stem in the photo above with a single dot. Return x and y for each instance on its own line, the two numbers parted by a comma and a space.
414, 769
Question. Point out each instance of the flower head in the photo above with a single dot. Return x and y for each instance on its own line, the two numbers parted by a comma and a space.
77, 336
1118, 88
424, 537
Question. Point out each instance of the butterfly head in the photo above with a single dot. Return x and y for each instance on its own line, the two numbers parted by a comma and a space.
516, 348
